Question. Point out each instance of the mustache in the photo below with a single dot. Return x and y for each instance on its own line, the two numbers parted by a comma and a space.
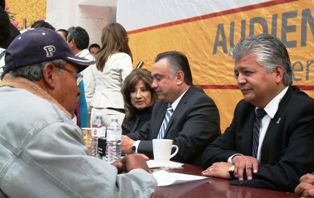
244, 87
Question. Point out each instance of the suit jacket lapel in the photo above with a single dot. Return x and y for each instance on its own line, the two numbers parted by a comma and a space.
179, 109
272, 130
247, 133
160, 114
273, 127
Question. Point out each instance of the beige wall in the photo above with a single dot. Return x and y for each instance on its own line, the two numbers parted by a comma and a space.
92, 15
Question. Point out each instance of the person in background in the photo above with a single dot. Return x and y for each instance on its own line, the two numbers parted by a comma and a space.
93, 49
113, 64
13, 31
6, 35
139, 99
63, 33
306, 186
42, 24
183, 112
269, 143
39, 142
78, 40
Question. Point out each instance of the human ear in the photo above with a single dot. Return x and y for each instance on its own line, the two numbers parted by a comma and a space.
180, 77
49, 75
279, 72
71, 43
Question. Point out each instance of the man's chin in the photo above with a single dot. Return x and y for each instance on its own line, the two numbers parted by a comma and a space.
247, 97
252, 100
72, 114
160, 97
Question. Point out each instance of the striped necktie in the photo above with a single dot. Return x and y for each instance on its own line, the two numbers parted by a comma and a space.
165, 122
260, 113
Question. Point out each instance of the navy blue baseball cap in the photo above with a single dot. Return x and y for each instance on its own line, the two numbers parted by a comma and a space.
40, 45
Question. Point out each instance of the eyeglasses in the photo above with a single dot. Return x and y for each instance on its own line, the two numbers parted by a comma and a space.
78, 76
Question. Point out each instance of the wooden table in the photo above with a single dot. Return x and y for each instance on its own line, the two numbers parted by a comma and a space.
213, 187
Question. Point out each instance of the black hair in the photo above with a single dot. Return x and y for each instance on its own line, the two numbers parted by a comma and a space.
64, 31
4, 28
42, 24
178, 61
94, 45
2, 4
80, 37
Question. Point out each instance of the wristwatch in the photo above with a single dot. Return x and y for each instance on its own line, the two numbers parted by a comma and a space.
231, 172
133, 149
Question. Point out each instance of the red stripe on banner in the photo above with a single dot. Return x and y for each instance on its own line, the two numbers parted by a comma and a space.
306, 87
303, 87
218, 86
215, 14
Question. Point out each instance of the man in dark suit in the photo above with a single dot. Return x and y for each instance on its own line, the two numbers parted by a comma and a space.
195, 119
273, 150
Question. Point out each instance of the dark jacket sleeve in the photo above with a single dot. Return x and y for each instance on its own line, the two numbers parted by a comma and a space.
225, 145
221, 149
201, 127
142, 133
295, 157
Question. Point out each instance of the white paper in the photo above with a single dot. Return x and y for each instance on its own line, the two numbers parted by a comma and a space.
165, 178
170, 164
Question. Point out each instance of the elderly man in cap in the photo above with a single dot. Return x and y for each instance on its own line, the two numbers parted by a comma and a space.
41, 150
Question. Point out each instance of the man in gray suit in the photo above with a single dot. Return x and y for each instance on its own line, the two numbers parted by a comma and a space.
194, 122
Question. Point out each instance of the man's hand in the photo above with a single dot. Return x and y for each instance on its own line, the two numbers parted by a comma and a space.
126, 144
120, 164
218, 169
135, 160
244, 165
306, 186
307, 178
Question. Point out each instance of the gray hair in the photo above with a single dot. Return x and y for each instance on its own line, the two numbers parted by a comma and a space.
35, 72
269, 51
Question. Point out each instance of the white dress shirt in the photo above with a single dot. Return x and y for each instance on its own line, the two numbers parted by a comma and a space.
271, 109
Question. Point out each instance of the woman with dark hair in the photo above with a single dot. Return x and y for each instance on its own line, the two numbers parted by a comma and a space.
113, 64
139, 99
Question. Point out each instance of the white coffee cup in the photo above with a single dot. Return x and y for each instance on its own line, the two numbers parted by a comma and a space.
162, 149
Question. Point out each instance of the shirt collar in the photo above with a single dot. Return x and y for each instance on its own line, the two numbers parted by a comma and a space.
176, 102
272, 107
85, 54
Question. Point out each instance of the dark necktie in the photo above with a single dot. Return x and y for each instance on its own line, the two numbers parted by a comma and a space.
165, 122
260, 113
